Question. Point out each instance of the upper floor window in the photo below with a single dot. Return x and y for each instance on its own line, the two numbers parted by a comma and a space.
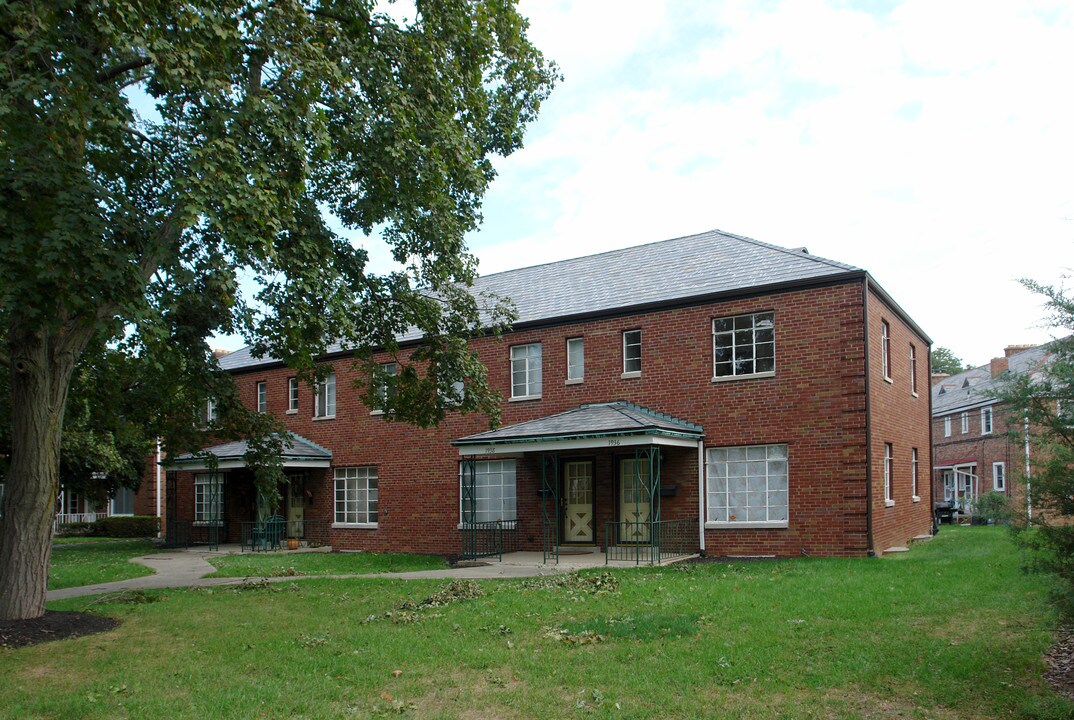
913, 369
324, 398
576, 359
262, 397
632, 352
986, 421
913, 472
965, 423
889, 471
947, 426
743, 345
999, 477
526, 371
885, 348
292, 394
208, 413
386, 389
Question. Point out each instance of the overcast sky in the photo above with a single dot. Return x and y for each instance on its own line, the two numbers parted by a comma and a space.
929, 142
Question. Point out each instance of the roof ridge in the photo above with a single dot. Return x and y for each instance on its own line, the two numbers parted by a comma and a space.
796, 252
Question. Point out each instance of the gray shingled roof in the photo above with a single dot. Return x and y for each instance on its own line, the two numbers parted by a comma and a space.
300, 447
973, 387
614, 418
694, 266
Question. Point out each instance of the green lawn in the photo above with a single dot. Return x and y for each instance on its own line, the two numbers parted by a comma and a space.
952, 629
279, 564
87, 563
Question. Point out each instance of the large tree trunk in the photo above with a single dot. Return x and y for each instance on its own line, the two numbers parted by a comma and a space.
41, 368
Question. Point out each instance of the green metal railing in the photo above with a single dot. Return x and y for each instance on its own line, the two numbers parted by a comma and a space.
550, 506
185, 533
488, 539
651, 542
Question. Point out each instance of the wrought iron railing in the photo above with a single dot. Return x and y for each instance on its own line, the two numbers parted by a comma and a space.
651, 542
276, 534
184, 533
488, 539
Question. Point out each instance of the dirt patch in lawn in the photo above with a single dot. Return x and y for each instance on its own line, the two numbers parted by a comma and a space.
1060, 661
53, 626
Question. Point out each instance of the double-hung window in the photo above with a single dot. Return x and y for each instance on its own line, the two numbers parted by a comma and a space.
913, 475
889, 471
631, 353
356, 495
292, 395
262, 397
526, 371
743, 346
999, 477
209, 498
494, 492
965, 423
575, 360
747, 486
913, 369
885, 348
324, 399
986, 421
386, 388
208, 413
947, 426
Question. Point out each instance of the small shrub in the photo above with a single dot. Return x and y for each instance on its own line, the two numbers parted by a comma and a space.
74, 529
133, 526
994, 507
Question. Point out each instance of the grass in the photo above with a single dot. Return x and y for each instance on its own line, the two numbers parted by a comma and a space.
951, 629
277, 564
88, 563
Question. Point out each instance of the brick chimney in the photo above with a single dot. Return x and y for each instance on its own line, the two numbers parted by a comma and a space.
1015, 349
999, 365
938, 378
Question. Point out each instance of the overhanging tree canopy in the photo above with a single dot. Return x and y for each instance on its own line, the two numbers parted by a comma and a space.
267, 117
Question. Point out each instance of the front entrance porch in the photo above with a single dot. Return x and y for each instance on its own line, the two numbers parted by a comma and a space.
613, 478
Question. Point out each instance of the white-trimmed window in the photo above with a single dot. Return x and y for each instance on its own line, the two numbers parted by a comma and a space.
747, 486
947, 426
209, 498
885, 348
526, 371
999, 477
575, 359
208, 413
494, 492
386, 389
122, 503
965, 422
889, 471
356, 495
632, 352
324, 397
292, 394
262, 397
743, 345
913, 474
986, 421
913, 369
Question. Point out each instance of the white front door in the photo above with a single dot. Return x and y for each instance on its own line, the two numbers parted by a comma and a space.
578, 502
635, 504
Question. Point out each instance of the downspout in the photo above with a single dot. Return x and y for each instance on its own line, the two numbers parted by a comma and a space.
160, 522
701, 490
868, 427
932, 483
1029, 485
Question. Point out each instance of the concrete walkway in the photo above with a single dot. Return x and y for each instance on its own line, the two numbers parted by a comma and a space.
188, 568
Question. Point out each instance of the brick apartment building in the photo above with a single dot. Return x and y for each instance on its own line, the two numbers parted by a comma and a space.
974, 451
709, 393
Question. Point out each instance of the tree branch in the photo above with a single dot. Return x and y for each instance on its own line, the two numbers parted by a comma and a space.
113, 73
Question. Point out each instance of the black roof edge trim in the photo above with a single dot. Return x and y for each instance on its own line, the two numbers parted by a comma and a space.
897, 309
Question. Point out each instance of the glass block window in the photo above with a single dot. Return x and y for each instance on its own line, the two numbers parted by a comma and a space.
526, 370
494, 491
356, 495
743, 345
748, 484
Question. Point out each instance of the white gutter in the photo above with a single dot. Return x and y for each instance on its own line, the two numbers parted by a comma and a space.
1029, 486
701, 491
160, 528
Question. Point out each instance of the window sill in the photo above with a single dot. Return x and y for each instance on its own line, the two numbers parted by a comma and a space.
889, 503
318, 418
630, 375
354, 526
751, 376
208, 523
292, 412
376, 412
916, 498
986, 433
888, 380
913, 394
777, 524
574, 381
524, 398
507, 525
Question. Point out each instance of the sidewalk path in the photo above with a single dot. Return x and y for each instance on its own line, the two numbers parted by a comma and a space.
189, 568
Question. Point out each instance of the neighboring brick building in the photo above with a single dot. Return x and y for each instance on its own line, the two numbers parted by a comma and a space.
973, 451
709, 393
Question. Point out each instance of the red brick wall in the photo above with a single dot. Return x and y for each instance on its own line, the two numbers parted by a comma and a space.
901, 419
983, 450
815, 404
